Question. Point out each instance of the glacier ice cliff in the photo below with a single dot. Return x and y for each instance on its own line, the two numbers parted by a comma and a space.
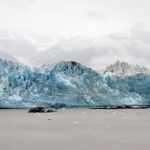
72, 84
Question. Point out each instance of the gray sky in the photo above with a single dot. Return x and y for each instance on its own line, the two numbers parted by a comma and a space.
93, 32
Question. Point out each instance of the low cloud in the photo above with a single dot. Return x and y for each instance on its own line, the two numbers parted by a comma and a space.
95, 14
98, 52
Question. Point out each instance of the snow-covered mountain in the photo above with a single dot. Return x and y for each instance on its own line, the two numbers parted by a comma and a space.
6, 55
17, 47
69, 83
74, 48
58, 54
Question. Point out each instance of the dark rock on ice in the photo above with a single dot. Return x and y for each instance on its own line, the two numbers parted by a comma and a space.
36, 110
42, 110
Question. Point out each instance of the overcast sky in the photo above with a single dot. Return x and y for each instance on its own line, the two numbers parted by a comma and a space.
93, 32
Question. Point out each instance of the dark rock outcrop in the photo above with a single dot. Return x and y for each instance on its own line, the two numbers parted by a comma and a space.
42, 110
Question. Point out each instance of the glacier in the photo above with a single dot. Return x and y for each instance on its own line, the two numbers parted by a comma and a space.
72, 84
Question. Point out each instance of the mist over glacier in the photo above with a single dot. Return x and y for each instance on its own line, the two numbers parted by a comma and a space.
72, 84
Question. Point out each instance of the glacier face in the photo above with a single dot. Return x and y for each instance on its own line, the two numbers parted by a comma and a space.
71, 84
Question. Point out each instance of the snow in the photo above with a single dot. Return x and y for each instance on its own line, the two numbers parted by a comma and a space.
123, 68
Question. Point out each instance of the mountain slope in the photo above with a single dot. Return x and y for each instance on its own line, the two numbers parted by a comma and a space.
18, 46
6, 55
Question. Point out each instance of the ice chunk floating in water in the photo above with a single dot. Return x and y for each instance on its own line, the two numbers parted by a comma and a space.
69, 84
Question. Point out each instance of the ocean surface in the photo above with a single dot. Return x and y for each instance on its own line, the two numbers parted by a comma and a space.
75, 129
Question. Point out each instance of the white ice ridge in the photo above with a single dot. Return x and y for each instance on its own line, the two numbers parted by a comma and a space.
123, 68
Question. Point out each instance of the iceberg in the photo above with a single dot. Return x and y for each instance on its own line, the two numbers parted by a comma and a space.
72, 85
